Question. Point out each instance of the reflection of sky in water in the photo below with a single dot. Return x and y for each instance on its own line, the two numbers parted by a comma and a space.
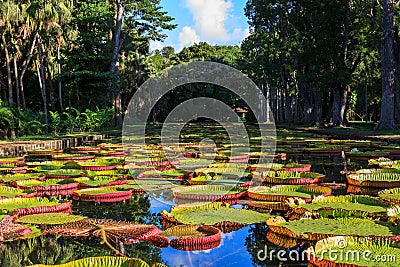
231, 252
159, 204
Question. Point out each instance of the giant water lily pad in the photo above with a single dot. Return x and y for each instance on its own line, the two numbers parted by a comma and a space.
193, 237
349, 202
392, 195
72, 157
213, 213
103, 194
394, 211
378, 179
10, 192
113, 173
24, 206
289, 177
125, 232
209, 192
50, 218
215, 179
10, 230
99, 181
49, 187
353, 251
63, 173
283, 192
20, 176
316, 229
102, 261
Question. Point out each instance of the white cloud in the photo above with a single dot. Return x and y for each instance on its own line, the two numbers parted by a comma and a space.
210, 17
188, 36
246, 33
156, 45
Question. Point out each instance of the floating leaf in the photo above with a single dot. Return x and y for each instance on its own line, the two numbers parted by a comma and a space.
349, 202
103, 194
50, 218
10, 192
283, 192
316, 229
213, 213
354, 249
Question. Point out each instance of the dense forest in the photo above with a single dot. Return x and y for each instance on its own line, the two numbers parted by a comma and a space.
68, 65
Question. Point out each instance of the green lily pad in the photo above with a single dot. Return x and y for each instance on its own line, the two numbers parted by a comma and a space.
213, 213
50, 218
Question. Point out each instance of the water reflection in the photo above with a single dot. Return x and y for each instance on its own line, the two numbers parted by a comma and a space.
238, 248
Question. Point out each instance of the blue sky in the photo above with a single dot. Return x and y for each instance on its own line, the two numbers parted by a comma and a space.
213, 21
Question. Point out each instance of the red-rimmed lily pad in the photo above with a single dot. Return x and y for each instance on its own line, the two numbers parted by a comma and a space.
103, 194
193, 237
281, 193
210, 192
25, 206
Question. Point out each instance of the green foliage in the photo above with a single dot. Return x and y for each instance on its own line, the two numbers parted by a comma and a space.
73, 120
56, 122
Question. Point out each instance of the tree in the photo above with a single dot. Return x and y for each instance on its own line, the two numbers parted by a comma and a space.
9, 16
388, 68
136, 23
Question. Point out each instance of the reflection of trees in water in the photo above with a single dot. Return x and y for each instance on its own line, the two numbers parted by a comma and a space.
52, 250
32, 251
256, 241
136, 209
90, 247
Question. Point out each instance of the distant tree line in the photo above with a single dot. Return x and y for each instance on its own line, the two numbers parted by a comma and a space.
317, 62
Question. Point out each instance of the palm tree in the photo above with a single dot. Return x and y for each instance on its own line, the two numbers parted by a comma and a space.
49, 18
9, 16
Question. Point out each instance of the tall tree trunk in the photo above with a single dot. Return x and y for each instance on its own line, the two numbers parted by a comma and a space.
339, 104
16, 82
317, 112
42, 81
288, 111
388, 69
8, 61
397, 106
51, 95
307, 97
3, 88
114, 57
25, 65
397, 76
60, 98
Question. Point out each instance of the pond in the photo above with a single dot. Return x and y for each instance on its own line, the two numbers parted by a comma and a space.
247, 245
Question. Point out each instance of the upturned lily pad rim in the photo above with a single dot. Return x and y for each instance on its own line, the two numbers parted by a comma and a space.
279, 226
346, 245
